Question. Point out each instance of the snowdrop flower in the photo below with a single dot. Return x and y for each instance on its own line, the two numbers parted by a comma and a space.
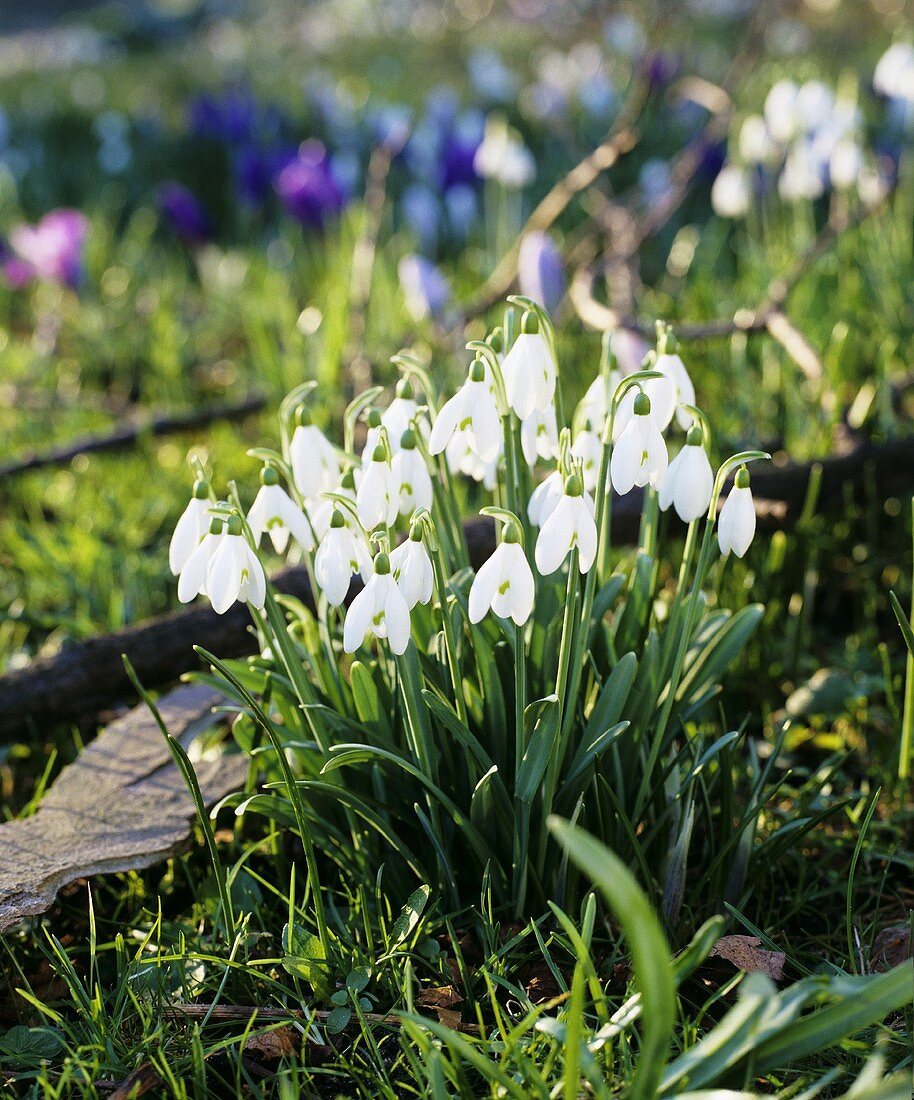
894, 73
781, 113
589, 449
802, 176
314, 461
234, 572
192, 579
570, 525
373, 436
545, 498
504, 584
736, 523
539, 435
190, 528
671, 366
504, 157
814, 105
731, 192
462, 459
379, 609
321, 512
845, 163
399, 415
275, 512
412, 569
755, 144
412, 483
529, 370
377, 498
639, 458
471, 410
342, 553
689, 479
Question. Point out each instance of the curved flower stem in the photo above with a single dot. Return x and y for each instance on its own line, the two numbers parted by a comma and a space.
450, 642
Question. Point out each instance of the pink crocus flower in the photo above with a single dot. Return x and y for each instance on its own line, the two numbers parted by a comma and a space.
51, 250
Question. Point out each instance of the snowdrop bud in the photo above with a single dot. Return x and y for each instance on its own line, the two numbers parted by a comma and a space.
190, 528
411, 477
639, 457
315, 465
412, 569
379, 609
274, 512
689, 479
731, 192
570, 525
529, 370
234, 571
736, 523
504, 584
471, 410
377, 498
342, 553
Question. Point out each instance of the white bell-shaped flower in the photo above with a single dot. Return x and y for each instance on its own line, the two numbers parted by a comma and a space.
412, 569
321, 512
529, 370
373, 437
377, 499
731, 192
545, 498
400, 414
671, 366
379, 609
504, 583
412, 481
462, 459
192, 580
689, 479
588, 448
277, 514
736, 522
639, 458
343, 552
570, 525
314, 461
662, 394
234, 571
539, 435
597, 401
471, 410
190, 528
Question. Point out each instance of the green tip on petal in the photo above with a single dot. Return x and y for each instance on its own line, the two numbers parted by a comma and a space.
337, 520
741, 481
574, 486
642, 406
408, 440
269, 475
405, 389
234, 525
530, 323
382, 564
478, 371
695, 437
201, 489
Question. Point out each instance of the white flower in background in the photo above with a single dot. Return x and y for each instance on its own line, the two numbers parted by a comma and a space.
755, 144
192, 579
314, 461
873, 186
845, 164
379, 609
639, 458
782, 116
412, 569
321, 512
570, 525
529, 370
275, 513
545, 498
462, 459
736, 522
399, 415
815, 104
471, 410
731, 192
234, 572
342, 553
504, 583
894, 73
595, 404
539, 435
190, 528
412, 482
377, 499
689, 479
670, 364
502, 156
588, 448
802, 175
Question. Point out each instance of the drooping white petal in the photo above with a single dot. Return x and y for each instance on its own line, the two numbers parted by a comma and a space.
485, 585
529, 374
588, 448
626, 458
224, 573
295, 520
556, 538
359, 616
695, 483
539, 435
334, 564
586, 535
655, 463
513, 596
412, 569
396, 616
192, 581
189, 530
254, 586
376, 500
452, 413
736, 523
315, 466
544, 498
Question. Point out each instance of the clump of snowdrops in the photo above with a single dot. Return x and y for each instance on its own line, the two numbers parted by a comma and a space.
436, 722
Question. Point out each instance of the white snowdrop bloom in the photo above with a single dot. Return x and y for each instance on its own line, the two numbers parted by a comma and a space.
234, 571
504, 584
588, 448
545, 498
689, 480
190, 528
662, 393
314, 461
539, 435
595, 404
894, 73
872, 186
504, 157
755, 144
471, 410
379, 609
342, 553
802, 175
399, 415
814, 104
377, 499
275, 513
781, 114
192, 579
373, 437
845, 163
731, 192
570, 525
412, 569
412, 481
639, 458
529, 370
670, 364
736, 522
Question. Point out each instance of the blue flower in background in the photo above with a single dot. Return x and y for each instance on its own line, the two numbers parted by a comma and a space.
184, 214
308, 187
425, 288
541, 270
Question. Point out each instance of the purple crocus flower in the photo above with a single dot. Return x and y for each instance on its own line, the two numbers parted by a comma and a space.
185, 214
231, 118
426, 290
541, 270
255, 168
308, 188
52, 250
659, 69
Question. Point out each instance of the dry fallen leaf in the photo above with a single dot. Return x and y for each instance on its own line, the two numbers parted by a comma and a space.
275, 1043
746, 953
892, 947
439, 996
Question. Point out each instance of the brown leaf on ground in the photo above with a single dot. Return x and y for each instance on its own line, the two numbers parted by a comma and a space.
278, 1042
439, 996
143, 1079
540, 983
746, 953
449, 1018
892, 947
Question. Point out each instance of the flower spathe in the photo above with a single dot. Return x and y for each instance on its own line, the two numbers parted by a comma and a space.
379, 609
504, 584
275, 513
736, 523
529, 371
412, 570
471, 410
190, 528
570, 525
689, 480
640, 456
342, 553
